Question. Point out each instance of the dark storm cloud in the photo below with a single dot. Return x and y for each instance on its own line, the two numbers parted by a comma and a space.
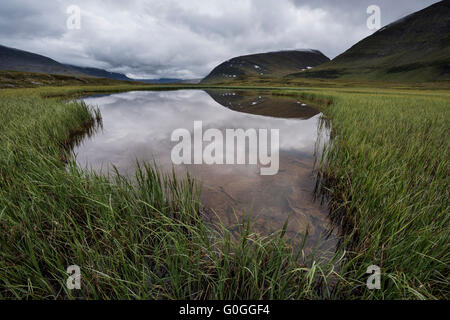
168, 38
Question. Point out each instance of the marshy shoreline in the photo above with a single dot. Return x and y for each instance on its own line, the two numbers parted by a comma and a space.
386, 176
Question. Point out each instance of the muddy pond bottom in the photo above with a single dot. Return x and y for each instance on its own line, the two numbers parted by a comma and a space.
139, 125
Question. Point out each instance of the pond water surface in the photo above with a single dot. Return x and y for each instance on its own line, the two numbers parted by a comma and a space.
138, 125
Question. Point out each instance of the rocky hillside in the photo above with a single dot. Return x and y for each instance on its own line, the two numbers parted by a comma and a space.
270, 64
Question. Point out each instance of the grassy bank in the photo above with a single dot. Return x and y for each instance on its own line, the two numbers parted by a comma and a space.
386, 175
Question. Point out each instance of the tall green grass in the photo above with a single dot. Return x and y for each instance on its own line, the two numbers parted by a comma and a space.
133, 238
385, 172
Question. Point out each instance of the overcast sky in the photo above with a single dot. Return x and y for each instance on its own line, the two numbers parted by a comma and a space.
187, 38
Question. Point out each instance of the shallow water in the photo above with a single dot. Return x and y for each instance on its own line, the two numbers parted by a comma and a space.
138, 125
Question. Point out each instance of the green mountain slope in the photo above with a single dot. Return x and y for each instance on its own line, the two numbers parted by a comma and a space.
270, 64
12, 59
415, 48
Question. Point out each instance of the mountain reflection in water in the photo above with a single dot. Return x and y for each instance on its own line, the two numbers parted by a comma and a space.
138, 125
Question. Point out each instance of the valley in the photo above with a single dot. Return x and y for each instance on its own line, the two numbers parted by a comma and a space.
142, 183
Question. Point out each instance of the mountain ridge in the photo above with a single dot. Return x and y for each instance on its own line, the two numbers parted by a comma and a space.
101, 73
13, 59
20, 60
267, 64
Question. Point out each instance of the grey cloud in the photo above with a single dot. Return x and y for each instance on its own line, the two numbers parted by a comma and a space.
168, 38
356, 9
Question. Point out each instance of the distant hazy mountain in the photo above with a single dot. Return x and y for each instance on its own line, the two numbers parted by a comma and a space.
261, 65
191, 81
169, 80
96, 72
161, 80
19, 60
415, 48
